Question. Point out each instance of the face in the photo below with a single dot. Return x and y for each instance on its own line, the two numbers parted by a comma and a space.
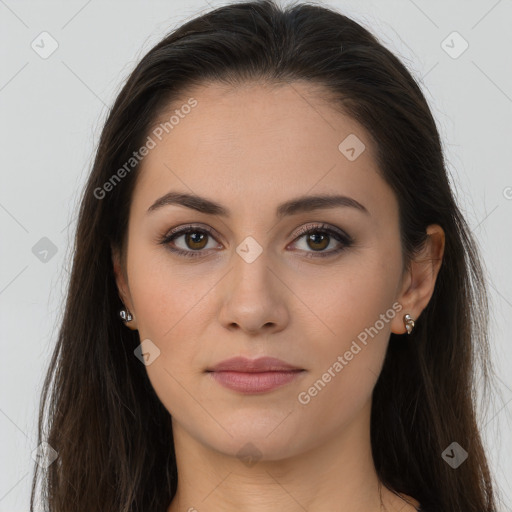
249, 282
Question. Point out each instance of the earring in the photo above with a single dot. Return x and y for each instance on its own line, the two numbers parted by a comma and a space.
409, 323
125, 315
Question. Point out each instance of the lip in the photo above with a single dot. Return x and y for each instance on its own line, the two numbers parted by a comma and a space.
254, 375
262, 364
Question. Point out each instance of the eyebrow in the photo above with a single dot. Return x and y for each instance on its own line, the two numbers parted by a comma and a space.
291, 207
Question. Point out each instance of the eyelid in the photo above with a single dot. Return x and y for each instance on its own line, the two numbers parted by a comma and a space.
300, 231
341, 237
322, 226
184, 227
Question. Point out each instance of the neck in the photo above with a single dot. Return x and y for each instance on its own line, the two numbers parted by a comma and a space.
338, 474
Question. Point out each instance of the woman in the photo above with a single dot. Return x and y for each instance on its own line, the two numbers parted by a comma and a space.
275, 302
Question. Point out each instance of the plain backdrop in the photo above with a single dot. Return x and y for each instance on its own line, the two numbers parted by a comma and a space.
51, 112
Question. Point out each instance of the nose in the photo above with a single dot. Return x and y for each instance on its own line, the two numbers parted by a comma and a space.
253, 297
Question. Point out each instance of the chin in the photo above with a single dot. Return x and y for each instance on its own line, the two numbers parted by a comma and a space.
252, 449
258, 438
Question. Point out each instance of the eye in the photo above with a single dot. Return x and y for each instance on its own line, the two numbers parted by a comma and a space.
317, 237
194, 238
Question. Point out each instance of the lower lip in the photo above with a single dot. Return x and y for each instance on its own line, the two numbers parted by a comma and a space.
245, 382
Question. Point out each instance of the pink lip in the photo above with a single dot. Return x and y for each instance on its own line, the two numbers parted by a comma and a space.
254, 376
262, 364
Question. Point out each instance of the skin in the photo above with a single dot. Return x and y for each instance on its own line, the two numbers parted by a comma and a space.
251, 148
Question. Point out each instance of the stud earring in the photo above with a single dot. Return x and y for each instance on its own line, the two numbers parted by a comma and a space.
409, 323
125, 315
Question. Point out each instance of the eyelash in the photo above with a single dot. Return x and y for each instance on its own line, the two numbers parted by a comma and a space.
341, 237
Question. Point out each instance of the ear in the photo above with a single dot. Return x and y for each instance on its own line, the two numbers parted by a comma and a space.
420, 279
122, 285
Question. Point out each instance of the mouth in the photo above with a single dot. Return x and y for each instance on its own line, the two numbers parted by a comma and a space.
254, 376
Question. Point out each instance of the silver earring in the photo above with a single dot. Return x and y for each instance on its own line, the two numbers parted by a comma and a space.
409, 323
125, 315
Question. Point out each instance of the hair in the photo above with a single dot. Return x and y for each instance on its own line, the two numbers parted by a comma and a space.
112, 434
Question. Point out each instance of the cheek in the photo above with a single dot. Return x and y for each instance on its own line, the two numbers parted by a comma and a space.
172, 311
169, 309
164, 294
350, 298
346, 361
348, 314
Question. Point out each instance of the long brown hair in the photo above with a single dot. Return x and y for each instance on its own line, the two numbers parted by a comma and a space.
98, 409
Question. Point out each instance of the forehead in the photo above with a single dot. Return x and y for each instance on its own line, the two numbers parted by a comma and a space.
256, 145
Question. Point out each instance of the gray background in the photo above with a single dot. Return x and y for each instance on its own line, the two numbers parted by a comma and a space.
52, 110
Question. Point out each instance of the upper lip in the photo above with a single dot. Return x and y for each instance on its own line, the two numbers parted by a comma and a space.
262, 364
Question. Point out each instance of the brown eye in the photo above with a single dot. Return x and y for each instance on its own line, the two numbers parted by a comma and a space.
319, 237
317, 241
195, 240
